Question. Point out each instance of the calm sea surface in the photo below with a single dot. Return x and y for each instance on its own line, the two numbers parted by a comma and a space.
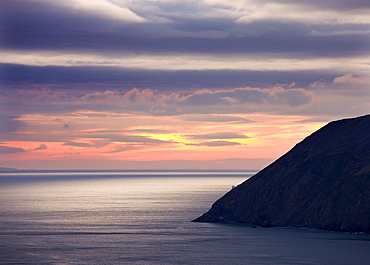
144, 218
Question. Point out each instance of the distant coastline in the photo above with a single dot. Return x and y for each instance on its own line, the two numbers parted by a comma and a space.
7, 169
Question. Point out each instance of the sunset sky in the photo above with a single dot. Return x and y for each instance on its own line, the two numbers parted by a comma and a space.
169, 84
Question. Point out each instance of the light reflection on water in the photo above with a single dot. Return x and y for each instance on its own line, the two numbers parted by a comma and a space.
146, 220
126, 173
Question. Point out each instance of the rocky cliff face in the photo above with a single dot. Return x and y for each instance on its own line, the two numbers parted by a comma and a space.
323, 183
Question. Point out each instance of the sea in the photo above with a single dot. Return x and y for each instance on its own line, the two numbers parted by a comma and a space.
144, 217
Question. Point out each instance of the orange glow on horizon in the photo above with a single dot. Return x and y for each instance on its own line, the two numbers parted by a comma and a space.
166, 138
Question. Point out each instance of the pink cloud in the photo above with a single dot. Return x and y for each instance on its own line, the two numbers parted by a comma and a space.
349, 79
156, 103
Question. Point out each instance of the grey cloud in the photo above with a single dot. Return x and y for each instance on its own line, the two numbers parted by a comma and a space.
343, 5
204, 99
126, 138
10, 150
9, 123
67, 125
13, 150
249, 95
216, 143
292, 98
36, 26
73, 15
130, 131
289, 97
101, 115
71, 143
41, 147
220, 135
95, 144
148, 131
98, 78
119, 149
216, 118
98, 144
254, 96
152, 102
291, 46
109, 132
36, 137
134, 139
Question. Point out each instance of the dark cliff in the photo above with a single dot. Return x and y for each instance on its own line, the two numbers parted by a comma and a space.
323, 183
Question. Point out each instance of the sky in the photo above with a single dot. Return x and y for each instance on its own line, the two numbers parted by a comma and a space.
168, 84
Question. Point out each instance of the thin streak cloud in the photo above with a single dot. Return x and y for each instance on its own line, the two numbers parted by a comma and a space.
220, 135
187, 62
